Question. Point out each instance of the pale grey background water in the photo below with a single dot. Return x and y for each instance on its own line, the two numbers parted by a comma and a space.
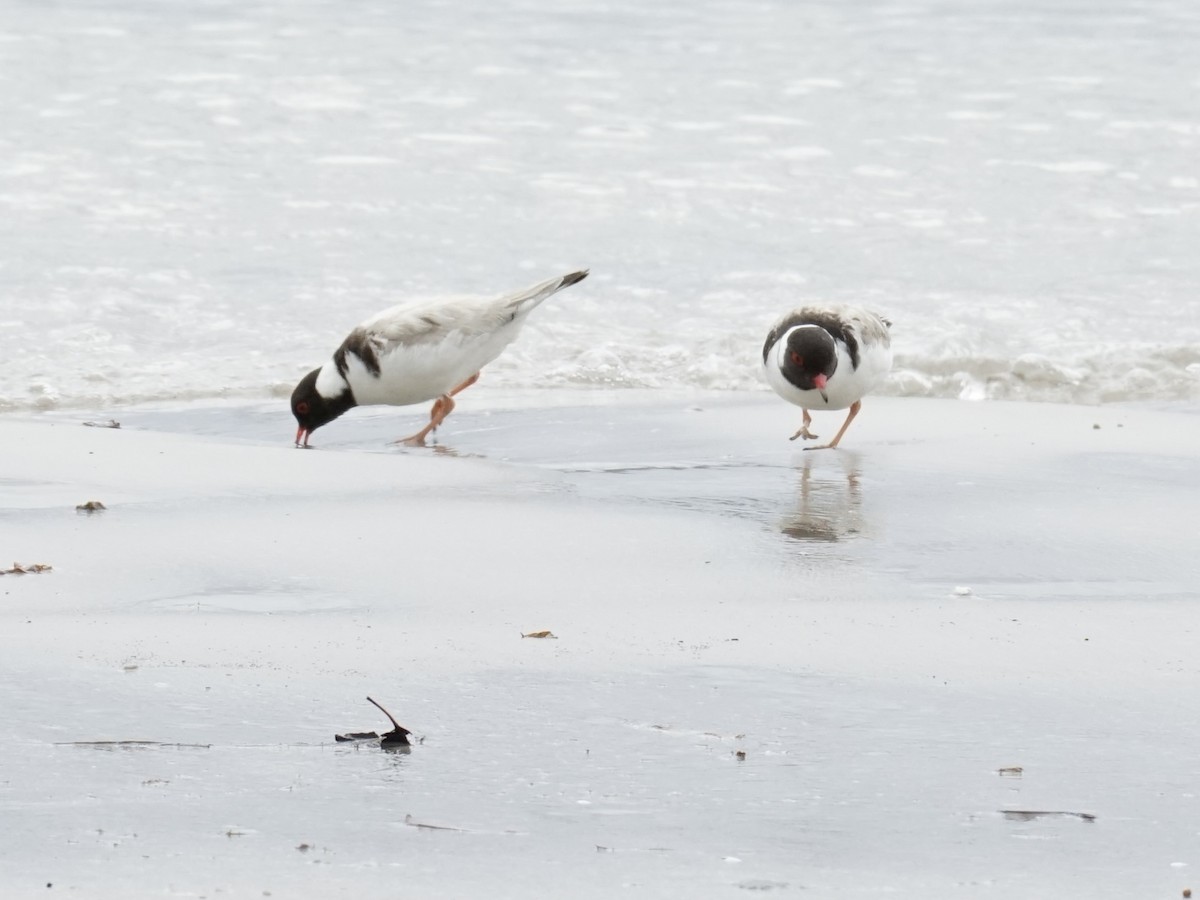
198, 199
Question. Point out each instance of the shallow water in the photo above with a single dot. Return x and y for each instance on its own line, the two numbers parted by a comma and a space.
200, 199
1079, 521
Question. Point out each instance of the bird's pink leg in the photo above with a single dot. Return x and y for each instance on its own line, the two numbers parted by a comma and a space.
804, 432
466, 384
442, 407
854, 408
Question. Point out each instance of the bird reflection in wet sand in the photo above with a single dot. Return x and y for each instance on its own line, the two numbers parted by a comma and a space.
828, 509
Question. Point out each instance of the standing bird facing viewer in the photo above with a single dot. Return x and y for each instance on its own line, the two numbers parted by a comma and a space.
827, 358
417, 351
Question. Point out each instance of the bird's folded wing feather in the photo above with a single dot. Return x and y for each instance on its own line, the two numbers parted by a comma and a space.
870, 326
427, 321
430, 320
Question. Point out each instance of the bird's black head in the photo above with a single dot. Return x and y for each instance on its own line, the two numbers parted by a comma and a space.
313, 410
810, 358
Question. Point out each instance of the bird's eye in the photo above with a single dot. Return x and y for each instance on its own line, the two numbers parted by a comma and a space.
797, 359
302, 407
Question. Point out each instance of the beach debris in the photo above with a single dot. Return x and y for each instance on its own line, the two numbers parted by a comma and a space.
111, 423
412, 823
1010, 771
600, 848
759, 884
304, 848
357, 736
397, 737
1028, 815
31, 569
541, 634
740, 755
1187, 892
90, 507
962, 591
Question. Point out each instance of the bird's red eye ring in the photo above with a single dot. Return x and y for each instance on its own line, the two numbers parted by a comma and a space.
302, 407
797, 359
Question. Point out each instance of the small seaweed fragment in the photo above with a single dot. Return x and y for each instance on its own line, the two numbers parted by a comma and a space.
111, 423
540, 634
90, 507
30, 569
1028, 815
357, 736
397, 737
423, 826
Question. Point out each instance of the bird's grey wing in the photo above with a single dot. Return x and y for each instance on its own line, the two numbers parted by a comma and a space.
448, 318
870, 327
426, 321
415, 322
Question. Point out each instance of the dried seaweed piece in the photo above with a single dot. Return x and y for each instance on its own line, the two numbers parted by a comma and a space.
1028, 815
31, 569
357, 736
541, 634
90, 507
111, 423
397, 737
1011, 771
408, 820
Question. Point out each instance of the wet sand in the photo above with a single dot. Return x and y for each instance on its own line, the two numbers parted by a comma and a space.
880, 630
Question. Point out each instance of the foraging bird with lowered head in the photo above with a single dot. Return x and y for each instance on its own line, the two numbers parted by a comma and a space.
416, 351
